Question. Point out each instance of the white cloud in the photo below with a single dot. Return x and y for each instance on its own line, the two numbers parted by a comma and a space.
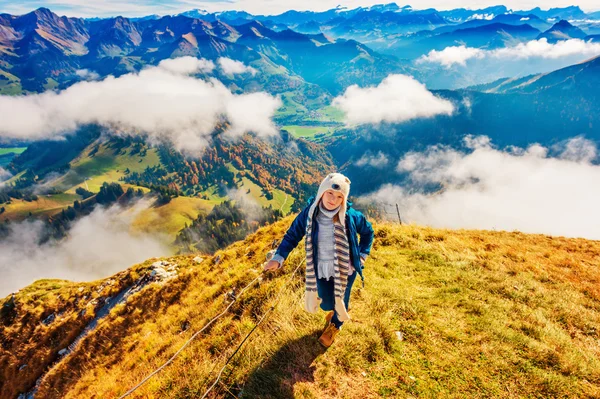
540, 49
584, 21
159, 102
452, 55
486, 17
579, 150
252, 209
397, 98
524, 19
376, 161
86, 74
233, 67
187, 65
488, 188
98, 246
4, 175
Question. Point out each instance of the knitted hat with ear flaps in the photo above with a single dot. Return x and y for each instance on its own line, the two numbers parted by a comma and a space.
338, 183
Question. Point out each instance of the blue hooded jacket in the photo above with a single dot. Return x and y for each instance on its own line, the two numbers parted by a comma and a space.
356, 225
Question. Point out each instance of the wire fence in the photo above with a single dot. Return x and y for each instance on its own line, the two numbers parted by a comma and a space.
234, 298
384, 209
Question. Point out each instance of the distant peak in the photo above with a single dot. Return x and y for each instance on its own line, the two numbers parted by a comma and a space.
197, 12
43, 12
563, 23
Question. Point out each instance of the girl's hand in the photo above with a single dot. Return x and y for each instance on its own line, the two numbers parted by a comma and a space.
362, 260
271, 265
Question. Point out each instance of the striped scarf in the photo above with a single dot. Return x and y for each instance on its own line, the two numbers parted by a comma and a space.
341, 266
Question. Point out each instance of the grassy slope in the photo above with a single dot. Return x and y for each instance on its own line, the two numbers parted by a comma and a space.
12, 150
172, 217
280, 200
10, 84
483, 314
307, 132
45, 205
104, 166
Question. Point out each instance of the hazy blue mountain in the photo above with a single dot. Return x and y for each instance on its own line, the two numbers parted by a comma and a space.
571, 12
333, 65
562, 30
582, 78
489, 36
509, 19
545, 109
459, 15
308, 27
364, 26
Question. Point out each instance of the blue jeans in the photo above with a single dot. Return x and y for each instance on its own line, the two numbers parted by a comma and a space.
325, 289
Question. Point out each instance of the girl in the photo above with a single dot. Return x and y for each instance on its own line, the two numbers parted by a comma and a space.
334, 256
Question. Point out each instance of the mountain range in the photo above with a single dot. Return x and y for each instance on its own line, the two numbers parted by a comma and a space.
41, 50
307, 59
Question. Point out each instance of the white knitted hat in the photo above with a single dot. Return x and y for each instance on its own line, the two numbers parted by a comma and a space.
336, 182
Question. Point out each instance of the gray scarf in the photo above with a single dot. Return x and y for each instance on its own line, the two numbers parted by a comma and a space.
341, 265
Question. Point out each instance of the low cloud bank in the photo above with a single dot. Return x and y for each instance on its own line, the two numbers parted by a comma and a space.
98, 246
162, 102
398, 98
505, 189
380, 160
233, 67
536, 49
4, 175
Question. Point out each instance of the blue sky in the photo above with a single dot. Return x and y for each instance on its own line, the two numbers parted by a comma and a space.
132, 8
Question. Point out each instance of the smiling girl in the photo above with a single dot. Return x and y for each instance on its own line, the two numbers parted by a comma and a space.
334, 254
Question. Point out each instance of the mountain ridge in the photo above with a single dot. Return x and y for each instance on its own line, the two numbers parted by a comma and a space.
503, 300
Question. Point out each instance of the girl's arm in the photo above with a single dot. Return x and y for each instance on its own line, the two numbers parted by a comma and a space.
366, 234
292, 237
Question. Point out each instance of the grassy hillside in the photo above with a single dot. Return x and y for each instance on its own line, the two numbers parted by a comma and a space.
170, 218
49, 204
444, 314
101, 163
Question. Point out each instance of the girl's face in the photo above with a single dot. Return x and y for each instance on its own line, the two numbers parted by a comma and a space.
332, 199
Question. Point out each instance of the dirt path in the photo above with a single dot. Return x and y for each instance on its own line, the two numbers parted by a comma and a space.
284, 202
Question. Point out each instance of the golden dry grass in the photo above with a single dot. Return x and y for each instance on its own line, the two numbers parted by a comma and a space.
482, 315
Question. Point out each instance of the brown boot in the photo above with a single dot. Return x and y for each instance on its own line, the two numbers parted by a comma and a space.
328, 318
326, 339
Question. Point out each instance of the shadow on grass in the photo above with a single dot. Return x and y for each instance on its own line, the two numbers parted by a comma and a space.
291, 364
